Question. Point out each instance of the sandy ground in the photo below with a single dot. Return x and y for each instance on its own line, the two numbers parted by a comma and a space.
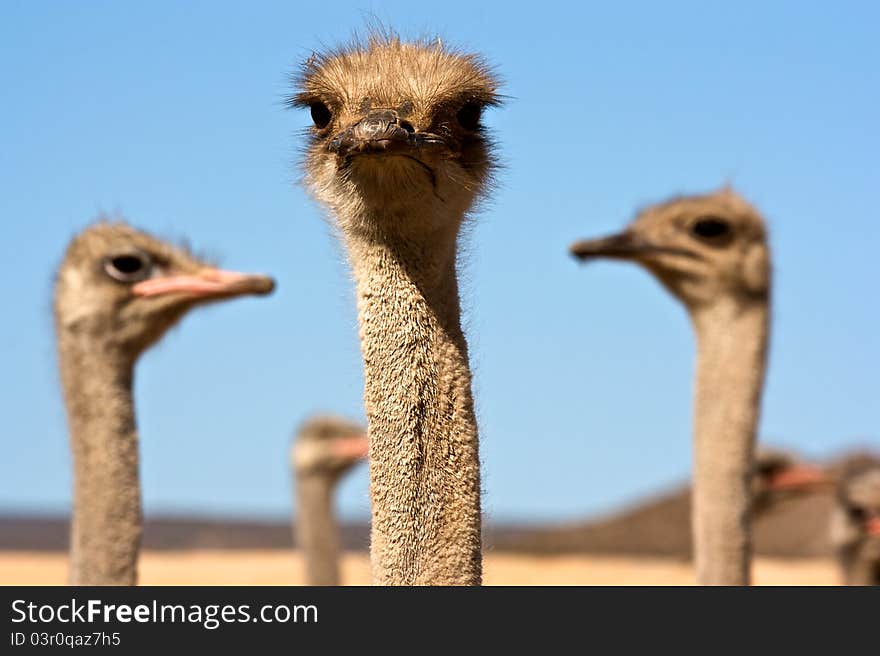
285, 568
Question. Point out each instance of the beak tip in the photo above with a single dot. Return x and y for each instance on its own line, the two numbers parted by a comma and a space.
265, 286
577, 252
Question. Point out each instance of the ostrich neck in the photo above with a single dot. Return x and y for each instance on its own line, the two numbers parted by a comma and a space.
424, 462
731, 351
316, 529
859, 561
864, 571
106, 525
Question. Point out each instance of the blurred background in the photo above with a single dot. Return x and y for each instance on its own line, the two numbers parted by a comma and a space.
173, 115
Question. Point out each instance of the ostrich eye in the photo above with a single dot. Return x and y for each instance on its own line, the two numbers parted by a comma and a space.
131, 267
469, 116
857, 513
768, 470
710, 228
321, 114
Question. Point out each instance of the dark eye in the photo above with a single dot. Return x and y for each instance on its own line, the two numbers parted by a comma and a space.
321, 114
711, 228
857, 513
469, 116
130, 267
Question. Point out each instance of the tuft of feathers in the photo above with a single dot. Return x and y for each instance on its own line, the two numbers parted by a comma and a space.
424, 71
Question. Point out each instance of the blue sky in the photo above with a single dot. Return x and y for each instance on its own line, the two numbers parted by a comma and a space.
172, 114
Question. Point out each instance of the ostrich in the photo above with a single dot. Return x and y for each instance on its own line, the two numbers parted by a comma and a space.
855, 523
778, 476
661, 525
399, 156
326, 447
117, 292
711, 252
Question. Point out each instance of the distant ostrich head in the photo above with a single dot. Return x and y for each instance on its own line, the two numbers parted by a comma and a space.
858, 517
124, 288
701, 248
779, 475
328, 446
397, 132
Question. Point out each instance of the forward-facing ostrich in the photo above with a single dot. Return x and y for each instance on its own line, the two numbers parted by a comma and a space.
711, 252
399, 156
117, 292
325, 448
855, 523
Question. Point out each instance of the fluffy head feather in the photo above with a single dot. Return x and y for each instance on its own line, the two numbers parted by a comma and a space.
397, 132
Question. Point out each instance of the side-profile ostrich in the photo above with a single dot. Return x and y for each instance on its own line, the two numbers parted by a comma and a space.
779, 475
711, 252
325, 448
855, 523
117, 292
661, 525
399, 155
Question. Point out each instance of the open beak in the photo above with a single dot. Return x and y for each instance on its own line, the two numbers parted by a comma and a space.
354, 448
796, 477
872, 526
207, 283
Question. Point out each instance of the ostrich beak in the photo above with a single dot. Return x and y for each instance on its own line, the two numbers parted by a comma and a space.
379, 131
207, 283
796, 477
625, 245
872, 526
353, 448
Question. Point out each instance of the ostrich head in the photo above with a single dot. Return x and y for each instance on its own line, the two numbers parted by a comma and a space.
125, 289
858, 515
778, 476
700, 248
328, 446
397, 145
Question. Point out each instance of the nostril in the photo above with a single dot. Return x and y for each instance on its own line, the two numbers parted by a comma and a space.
406, 125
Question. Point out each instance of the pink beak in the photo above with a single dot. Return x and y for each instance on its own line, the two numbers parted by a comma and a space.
797, 476
353, 448
207, 282
872, 526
